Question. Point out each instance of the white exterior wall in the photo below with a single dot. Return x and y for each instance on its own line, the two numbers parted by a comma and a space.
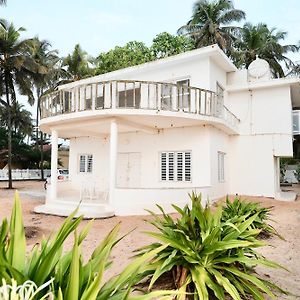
219, 142
216, 75
204, 142
265, 133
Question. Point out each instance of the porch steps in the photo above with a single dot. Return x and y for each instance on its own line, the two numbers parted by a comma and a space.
65, 208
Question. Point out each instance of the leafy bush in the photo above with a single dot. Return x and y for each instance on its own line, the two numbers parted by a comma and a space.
239, 208
72, 278
208, 258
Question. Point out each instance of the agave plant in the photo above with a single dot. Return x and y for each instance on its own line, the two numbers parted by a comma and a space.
71, 277
238, 208
208, 258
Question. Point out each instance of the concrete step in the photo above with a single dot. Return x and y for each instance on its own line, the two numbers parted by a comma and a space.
65, 208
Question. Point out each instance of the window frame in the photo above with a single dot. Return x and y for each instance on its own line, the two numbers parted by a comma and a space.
184, 172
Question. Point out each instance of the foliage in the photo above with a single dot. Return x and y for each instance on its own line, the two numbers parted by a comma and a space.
72, 277
133, 53
77, 64
283, 165
27, 291
21, 121
16, 70
208, 258
23, 155
297, 173
259, 40
239, 208
166, 44
211, 23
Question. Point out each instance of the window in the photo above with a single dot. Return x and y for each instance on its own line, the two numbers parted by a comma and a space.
221, 166
175, 166
85, 163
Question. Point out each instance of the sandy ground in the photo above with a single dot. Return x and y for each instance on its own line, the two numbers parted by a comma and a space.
285, 214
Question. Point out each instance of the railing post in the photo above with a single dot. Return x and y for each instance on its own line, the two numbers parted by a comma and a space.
113, 94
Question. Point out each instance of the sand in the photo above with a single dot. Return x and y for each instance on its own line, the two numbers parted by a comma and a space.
285, 214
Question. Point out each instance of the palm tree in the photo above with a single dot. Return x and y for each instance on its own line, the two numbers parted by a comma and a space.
21, 121
210, 23
49, 75
16, 69
259, 40
77, 64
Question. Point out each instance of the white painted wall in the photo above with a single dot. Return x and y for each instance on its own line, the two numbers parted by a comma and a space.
204, 142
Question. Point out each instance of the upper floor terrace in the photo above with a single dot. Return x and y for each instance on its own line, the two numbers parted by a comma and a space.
191, 105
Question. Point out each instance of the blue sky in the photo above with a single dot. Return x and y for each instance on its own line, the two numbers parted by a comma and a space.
103, 24
99, 25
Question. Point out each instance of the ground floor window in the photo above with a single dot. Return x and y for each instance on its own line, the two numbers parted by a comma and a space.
176, 166
85, 163
221, 166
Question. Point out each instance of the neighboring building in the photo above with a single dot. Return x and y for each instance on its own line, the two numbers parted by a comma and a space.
155, 132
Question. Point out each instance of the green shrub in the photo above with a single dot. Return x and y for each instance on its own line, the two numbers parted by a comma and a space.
239, 208
208, 258
72, 277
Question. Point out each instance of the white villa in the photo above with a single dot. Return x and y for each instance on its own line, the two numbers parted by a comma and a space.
155, 132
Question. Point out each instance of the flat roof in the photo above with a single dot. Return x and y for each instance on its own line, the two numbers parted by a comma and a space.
213, 51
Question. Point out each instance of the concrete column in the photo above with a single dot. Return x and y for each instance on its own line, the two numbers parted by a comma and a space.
113, 154
54, 157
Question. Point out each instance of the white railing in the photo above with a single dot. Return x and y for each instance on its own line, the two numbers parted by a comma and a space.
126, 94
24, 174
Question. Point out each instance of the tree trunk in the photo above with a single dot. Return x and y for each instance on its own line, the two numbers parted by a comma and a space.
37, 120
9, 129
42, 157
39, 93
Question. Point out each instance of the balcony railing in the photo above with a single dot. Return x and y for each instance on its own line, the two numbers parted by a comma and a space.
126, 94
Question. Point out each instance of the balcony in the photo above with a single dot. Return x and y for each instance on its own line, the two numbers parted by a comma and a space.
137, 97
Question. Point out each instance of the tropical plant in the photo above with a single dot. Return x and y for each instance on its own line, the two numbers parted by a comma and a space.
72, 277
239, 208
50, 75
207, 257
78, 64
259, 40
21, 121
297, 173
211, 23
166, 44
16, 69
27, 291
133, 53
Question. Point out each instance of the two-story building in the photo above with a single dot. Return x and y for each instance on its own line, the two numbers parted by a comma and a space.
153, 133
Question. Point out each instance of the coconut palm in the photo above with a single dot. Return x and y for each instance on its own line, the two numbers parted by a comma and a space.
77, 64
49, 75
21, 121
211, 23
16, 68
259, 40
